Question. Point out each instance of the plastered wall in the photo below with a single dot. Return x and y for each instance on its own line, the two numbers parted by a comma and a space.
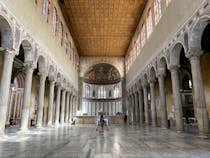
30, 17
173, 18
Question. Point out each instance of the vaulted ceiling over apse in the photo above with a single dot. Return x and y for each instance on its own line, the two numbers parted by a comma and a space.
101, 74
102, 27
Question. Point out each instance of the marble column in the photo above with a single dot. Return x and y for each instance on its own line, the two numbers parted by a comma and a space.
76, 105
136, 107
146, 105
133, 109
129, 109
153, 103
67, 107
199, 100
41, 100
5, 86
110, 108
177, 98
63, 103
57, 108
164, 116
70, 108
141, 107
26, 96
51, 102
73, 106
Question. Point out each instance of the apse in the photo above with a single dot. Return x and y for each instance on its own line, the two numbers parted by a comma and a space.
102, 91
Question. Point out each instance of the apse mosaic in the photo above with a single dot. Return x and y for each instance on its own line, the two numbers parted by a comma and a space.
102, 73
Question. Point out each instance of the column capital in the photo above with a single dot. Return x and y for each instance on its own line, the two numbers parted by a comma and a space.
42, 75
152, 80
9, 53
194, 55
63, 89
51, 78
174, 67
161, 75
52, 81
135, 93
29, 65
144, 83
139, 89
58, 84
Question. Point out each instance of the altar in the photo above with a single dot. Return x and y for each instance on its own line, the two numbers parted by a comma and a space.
92, 119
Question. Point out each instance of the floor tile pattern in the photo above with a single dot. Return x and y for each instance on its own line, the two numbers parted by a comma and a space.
119, 142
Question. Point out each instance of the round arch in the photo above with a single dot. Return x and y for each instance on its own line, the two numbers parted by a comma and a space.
162, 65
175, 53
6, 33
25, 51
41, 63
196, 33
152, 73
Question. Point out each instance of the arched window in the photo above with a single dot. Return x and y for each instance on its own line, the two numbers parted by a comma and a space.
87, 91
110, 94
69, 49
158, 12
72, 56
132, 55
143, 35
54, 21
77, 62
94, 93
61, 33
116, 91
167, 2
138, 42
129, 61
149, 23
101, 92
65, 41
46, 9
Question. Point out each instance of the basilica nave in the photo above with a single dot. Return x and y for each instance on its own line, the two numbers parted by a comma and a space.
114, 78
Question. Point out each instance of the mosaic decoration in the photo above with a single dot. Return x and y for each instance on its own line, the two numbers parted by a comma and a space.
102, 74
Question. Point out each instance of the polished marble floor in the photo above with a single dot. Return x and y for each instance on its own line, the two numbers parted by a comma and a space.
119, 142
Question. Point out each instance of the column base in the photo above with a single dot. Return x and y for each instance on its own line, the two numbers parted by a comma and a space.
3, 135
164, 128
154, 125
57, 124
61, 123
180, 131
23, 131
39, 127
203, 135
49, 124
147, 123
